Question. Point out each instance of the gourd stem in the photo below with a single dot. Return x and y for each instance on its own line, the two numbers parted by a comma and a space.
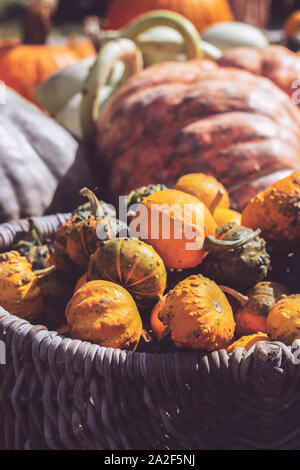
37, 21
191, 37
242, 299
35, 234
112, 52
164, 334
216, 201
213, 244
96, 208
146, 336
41, 273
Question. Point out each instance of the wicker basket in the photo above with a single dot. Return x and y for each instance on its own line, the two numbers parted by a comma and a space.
58, 393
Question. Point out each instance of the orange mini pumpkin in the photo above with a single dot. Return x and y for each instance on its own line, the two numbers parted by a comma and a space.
198, 315
83, 240
20, 293
276, 211
283, 322
104, 313
204, 187
175, 224
247, 342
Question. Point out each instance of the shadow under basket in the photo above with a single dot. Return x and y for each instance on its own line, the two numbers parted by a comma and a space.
58, 393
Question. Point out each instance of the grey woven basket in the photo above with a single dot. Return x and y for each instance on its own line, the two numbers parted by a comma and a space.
58, 393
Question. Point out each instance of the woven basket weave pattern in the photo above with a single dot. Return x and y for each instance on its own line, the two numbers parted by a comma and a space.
58, 393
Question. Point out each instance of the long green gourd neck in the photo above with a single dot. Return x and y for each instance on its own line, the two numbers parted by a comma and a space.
213, 244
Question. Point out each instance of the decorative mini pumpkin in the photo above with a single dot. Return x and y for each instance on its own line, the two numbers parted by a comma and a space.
204, 187
197, 117
247, 342
83, 240
104, 313
200, 12
276, 211
252, 317
237, 258
283, 322
32, 246
223, 215
198, 315
133, 264
23, 66
182, 224
227, 216
60, 257
20, 293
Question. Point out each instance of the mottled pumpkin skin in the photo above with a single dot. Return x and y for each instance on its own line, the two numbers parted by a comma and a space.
104, 313
283, 322
276, 211
247, 342
240, 267
20, 293
176, 118
227, 216
202, 14
60, 257
198, 315
204, 187
184, 211
132, 264
276, 63
262, 297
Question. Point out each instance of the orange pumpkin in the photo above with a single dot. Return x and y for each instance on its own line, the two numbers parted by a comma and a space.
204, 187
226, 216
165, 224
198, 315
276, 211
247, 342
283, 322
200, 12
23, 66
104, 313
20, 293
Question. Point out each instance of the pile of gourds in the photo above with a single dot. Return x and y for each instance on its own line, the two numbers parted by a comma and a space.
130, 286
